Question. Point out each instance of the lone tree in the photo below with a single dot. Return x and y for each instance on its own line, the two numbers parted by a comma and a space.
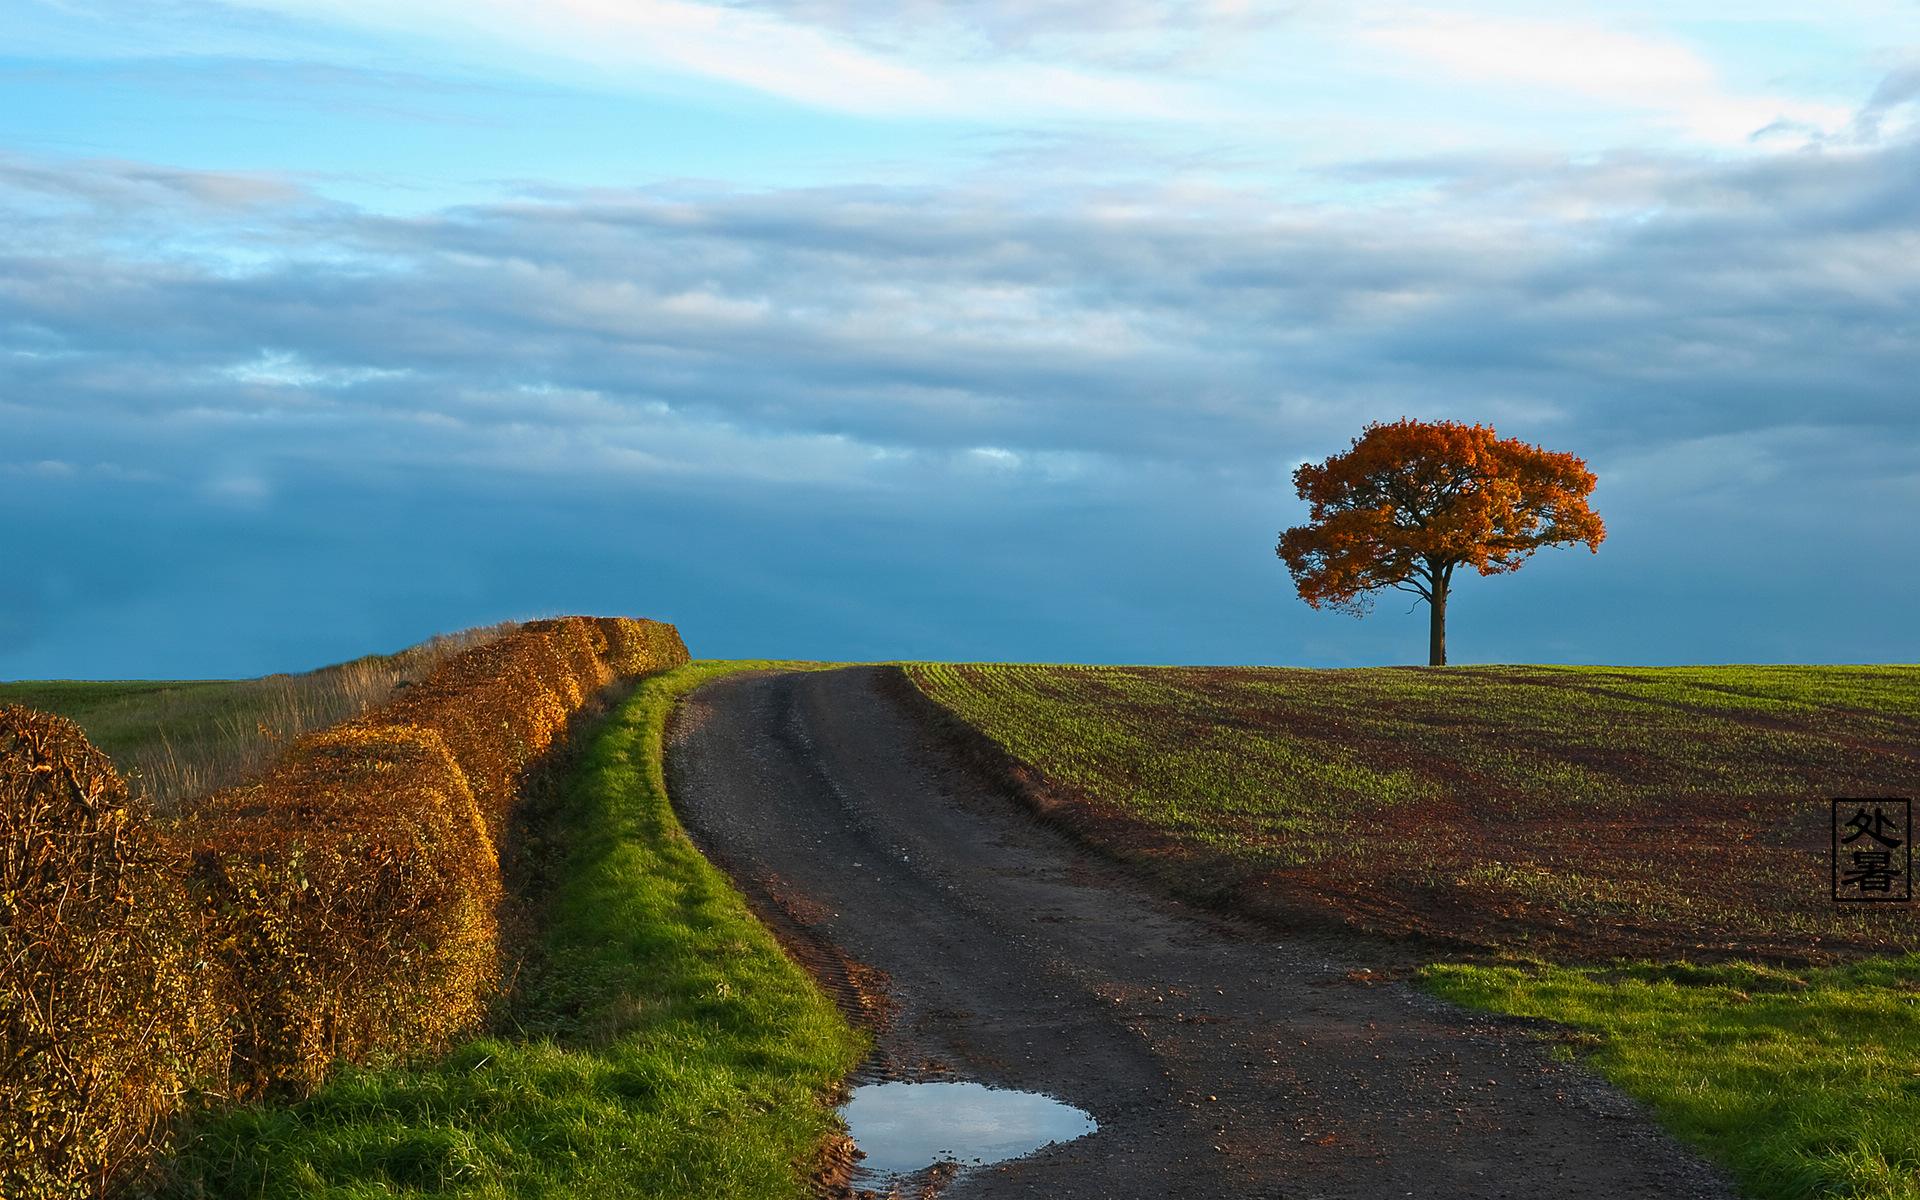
1413, 500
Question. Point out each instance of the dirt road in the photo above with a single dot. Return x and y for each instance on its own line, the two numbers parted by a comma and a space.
1218, 1060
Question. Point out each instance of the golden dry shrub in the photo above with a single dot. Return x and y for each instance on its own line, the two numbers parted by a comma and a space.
503, 705
498, 707
636, 647
352, 894
104, 1022
576, 653
351, 897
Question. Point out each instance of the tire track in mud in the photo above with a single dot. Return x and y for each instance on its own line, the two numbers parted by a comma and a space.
1219, 1059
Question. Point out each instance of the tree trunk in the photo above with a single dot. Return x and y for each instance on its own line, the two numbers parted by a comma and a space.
1437, 623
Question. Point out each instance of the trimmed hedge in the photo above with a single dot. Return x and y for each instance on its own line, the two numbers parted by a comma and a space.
103, 1025
341, 907
350, 896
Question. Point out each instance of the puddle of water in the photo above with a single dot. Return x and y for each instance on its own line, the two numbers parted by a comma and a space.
903, 1127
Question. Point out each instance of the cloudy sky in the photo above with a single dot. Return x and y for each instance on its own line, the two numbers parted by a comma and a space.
913, 328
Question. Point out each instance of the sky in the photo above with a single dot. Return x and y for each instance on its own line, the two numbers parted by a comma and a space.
873, 329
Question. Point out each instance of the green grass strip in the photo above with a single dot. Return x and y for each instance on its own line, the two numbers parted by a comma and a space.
1802, 1083
672, 1049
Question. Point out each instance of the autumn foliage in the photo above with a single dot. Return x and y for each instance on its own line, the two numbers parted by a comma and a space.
349, 901
342, 907
1411, 501
103, 1022
351, 893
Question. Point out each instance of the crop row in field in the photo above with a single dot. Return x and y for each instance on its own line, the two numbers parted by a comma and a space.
1564, 809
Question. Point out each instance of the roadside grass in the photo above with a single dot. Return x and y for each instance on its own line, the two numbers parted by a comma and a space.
1803, 1083
662, 1044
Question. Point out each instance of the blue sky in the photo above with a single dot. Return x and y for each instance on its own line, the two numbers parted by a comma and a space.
863, 329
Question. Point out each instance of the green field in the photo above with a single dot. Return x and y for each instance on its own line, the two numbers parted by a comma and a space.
1623, 821
1567, 811
1803, 1082
661, 1044
129, 718
174, 739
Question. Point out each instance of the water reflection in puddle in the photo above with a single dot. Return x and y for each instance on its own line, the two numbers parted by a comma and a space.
903, 1127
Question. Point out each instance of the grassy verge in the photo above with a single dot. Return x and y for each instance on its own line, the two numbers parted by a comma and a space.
667, 1047
1803, 1083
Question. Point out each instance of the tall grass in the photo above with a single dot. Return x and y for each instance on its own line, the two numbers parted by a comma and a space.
173, 742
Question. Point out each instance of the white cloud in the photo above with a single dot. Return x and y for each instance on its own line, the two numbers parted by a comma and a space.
281, 368
1602, 66
50, 469
239, 489
625, 39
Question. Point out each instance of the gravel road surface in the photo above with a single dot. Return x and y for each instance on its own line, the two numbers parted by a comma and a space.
1219, 1058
